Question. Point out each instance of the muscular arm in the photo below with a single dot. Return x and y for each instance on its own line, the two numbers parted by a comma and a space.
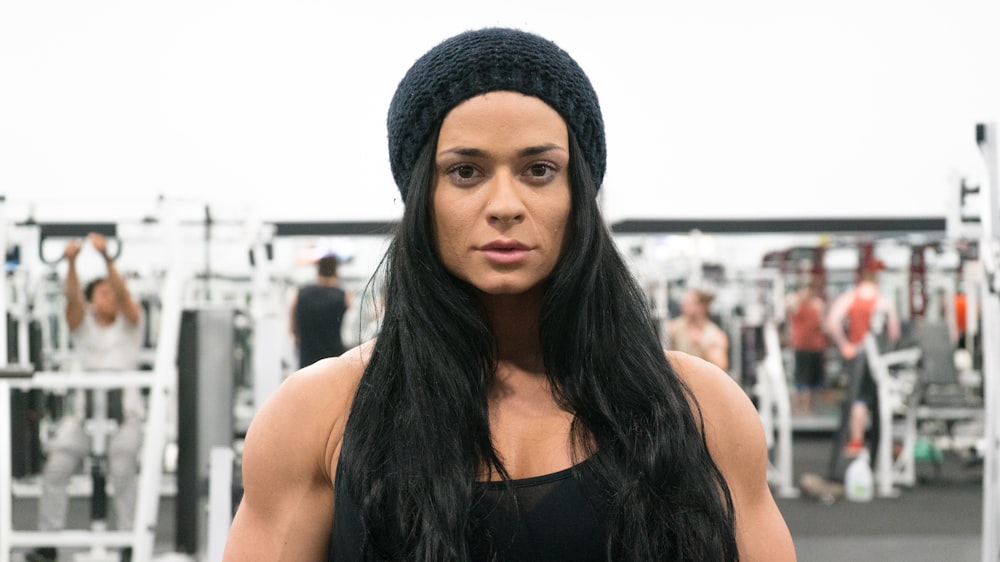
738, 447
834, 323
289, 459
129, 308
74, 296
892, 319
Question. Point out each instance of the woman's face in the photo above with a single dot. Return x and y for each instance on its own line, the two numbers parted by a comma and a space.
501, 192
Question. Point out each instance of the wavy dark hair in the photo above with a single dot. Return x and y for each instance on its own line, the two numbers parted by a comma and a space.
412, 474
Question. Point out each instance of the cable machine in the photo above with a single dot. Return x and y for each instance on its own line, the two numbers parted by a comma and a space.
161, 382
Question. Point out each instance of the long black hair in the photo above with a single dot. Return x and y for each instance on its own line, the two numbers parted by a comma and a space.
418, 434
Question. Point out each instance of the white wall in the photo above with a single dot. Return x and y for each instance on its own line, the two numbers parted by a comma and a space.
722, 108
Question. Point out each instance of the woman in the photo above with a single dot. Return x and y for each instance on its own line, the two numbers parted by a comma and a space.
516, 404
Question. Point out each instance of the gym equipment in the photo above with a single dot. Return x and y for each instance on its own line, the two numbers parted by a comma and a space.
160, 382
894, 375
989, 256
773, 402
267, 323
220, 500
206, 373
945, 395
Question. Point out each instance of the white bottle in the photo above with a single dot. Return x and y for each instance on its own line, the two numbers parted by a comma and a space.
859, 482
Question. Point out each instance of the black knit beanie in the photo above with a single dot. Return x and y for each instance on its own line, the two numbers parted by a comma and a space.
487, 60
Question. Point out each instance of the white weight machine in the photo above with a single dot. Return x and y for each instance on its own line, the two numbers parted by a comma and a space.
762, 293
895, 377
161, 383
774, 406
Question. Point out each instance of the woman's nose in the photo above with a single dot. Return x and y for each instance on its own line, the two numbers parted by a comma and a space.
505, 203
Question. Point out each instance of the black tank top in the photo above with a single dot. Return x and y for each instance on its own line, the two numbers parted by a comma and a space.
319, 311
557, 517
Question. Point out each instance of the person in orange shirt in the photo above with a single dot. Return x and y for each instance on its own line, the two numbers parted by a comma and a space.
960, 318
848, 323
805, 309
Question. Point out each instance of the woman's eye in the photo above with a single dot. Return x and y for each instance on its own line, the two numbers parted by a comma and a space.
463, 173
538, 170
541, 172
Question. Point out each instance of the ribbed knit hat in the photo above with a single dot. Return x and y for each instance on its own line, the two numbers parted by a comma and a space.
487, 60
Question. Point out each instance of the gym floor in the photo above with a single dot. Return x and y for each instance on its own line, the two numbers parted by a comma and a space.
938, 519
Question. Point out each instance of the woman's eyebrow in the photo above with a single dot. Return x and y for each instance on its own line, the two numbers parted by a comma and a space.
461, 151
541, 149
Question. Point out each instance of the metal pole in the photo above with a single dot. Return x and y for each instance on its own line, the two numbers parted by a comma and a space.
989, 245
220, 501
778, 388
164, 384
6, 464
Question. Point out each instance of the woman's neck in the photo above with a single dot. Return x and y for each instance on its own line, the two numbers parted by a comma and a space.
514, 321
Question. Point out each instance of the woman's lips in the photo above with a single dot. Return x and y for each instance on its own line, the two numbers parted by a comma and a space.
505, 252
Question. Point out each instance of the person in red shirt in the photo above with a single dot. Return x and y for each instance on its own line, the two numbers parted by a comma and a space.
805, 309
849, 321
961, 318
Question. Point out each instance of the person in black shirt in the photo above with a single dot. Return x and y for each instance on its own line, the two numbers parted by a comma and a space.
317, 312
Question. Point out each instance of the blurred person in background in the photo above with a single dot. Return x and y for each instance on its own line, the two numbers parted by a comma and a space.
105, 325
317, 313
694, 333
851, 317
806, 310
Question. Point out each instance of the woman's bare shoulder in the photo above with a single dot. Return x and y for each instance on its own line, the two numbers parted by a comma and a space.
700, 374
338, 374
731, 422
306, 415
720, 398
288, 455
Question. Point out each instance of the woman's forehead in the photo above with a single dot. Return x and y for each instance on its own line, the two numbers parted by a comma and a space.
502, 116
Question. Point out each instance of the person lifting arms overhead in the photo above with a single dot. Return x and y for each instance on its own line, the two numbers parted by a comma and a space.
516, 404
105, 324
